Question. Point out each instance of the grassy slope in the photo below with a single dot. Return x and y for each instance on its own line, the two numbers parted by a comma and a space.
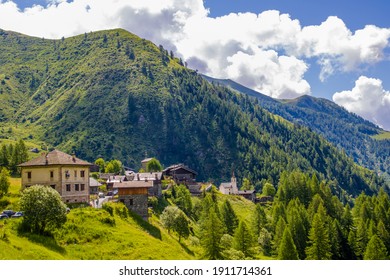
93, 234
382, 136
88, 234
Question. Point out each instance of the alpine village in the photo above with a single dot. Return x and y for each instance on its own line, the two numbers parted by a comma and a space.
112, 148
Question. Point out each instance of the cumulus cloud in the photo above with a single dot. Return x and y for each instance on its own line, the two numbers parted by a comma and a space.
266, 72
367, 99
338, 49
265, 51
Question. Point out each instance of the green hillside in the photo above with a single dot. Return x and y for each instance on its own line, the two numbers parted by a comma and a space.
347, 131
112, 94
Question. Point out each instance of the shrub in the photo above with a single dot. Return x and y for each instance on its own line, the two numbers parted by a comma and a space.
43, 209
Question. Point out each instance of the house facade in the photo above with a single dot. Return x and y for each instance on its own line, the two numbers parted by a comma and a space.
181, 174
65, 173
134, 194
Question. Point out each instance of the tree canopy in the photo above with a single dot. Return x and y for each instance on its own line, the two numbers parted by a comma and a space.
43, 209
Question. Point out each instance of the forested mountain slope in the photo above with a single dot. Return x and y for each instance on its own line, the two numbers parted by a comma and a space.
345, 130
112, 94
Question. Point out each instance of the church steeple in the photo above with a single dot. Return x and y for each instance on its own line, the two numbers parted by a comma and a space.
233, 182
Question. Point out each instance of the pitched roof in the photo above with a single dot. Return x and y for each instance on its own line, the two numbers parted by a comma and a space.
133, 184
146, 160
176, 167
55, 157
226, 185
94, 183
149, 176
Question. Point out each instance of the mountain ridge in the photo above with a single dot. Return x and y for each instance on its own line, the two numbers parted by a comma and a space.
112, 94
345, 130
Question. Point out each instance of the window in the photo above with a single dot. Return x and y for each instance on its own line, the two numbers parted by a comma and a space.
82, 173
82, 187
53, 186
67, 174
76, 187
122, 200
29, 175
68, 187
75, 173
131, 202
51, 174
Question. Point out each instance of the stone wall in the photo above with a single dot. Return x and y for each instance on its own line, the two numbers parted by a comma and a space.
137, 203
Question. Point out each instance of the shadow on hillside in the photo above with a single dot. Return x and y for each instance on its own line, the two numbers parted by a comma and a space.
151, 229
188, 251
46, 241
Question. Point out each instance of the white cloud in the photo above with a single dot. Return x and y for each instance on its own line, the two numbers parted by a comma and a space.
338, 48
367, 99
266, 72
215, 45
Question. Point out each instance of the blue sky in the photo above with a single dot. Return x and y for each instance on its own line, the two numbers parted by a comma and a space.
283, 48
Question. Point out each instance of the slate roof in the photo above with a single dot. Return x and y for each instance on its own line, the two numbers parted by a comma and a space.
93, 182
55, 157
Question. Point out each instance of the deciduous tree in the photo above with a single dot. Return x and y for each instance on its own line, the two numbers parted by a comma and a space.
43, 209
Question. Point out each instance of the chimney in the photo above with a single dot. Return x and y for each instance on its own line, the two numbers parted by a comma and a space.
138, 176
46, 160
73, 157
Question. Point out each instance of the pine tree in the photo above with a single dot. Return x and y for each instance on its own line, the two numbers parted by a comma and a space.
375, 250
287, 249
229, 217
243, 240
211, 233
319, 244
279, 230
259, 220
298, 225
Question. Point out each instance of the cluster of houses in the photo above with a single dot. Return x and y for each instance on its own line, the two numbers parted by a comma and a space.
70, 176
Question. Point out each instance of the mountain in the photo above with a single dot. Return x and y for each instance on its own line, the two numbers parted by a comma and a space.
112, 94
347, 131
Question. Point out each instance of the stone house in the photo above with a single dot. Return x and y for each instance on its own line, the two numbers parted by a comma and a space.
154, 177
65, 173
134, 194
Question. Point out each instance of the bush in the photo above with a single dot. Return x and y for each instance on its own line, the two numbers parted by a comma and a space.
43, 209
108, 207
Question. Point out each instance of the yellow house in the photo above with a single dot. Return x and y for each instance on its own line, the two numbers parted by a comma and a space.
65, 173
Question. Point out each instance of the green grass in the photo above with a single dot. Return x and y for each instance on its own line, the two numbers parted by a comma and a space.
382, 136
94, 234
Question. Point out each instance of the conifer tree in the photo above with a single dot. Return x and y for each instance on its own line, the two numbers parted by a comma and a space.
259, 220
375, 250
279, 230
287, 249
211, 233
243, 240
319, 244
296, 219
229, 217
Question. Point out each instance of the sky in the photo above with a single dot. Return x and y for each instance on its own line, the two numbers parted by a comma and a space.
338, 50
